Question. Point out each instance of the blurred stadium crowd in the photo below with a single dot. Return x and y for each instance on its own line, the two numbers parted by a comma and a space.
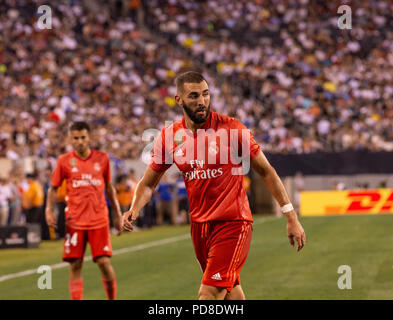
303, 84
283, 68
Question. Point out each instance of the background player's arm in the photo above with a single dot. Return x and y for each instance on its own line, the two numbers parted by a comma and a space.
111, 193
49, 215
142, 195
273, 182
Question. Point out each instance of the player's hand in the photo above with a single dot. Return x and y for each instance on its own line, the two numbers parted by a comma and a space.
118, 223
295, 232
128, 218
50, 218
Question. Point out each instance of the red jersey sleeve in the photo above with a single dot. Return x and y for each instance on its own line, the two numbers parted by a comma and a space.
107, 170
160, 159
246, 140
58, 174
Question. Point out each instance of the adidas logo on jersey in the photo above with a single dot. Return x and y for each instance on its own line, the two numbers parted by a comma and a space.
179, 153
106, 248
74, 169
216, 276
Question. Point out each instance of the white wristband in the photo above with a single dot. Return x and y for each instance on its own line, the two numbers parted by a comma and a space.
286, 208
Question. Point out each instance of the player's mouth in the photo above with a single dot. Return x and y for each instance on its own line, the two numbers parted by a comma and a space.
201, 112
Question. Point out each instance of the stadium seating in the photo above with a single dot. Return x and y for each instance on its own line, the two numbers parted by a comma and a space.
312, 87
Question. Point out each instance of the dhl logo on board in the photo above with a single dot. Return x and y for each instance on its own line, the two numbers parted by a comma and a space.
319, 203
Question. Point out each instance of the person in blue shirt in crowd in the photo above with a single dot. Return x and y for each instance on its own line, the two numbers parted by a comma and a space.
181, 201
165, 203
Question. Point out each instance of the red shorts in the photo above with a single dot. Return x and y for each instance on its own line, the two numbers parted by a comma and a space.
75, 243
221, 248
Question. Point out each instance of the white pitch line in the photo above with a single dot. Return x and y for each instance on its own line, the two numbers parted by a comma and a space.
88, 258
118, 251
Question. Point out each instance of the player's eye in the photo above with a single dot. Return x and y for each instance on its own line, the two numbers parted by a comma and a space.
194, 95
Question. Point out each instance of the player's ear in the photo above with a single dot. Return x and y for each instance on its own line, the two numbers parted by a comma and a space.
178, 100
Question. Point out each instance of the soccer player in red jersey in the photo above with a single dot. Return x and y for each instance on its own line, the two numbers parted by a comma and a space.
87, 174
213, 151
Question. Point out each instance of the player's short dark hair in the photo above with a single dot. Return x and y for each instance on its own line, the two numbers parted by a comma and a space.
188, 77
79, 125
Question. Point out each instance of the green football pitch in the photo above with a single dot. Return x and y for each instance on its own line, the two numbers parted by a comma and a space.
159, 263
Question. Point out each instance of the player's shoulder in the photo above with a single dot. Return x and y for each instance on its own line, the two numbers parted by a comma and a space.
65, 156
227, 121
173, 126
100, 154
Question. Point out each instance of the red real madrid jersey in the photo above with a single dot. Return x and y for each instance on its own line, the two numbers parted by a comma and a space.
86, 182
211, 164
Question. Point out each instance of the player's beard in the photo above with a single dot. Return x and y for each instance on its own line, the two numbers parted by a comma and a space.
82, 150
198, 119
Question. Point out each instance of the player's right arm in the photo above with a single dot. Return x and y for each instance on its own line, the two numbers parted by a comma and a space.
49, 215
145, 187
142, 195
57, 178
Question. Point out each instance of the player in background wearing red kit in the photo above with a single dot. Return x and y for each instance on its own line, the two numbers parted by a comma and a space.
88, 176
221, 220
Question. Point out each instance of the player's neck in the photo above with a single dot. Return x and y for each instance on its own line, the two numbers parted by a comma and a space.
83, 155
192, 125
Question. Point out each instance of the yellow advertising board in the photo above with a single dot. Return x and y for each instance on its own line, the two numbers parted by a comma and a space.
322, 203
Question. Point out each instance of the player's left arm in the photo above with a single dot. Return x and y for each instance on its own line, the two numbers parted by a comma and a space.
273, 182
111, 193
50, 200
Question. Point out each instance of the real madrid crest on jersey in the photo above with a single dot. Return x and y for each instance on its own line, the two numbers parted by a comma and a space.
97, 166
73, 162
213, 148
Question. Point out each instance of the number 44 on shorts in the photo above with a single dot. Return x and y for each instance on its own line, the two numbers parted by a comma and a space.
70, 240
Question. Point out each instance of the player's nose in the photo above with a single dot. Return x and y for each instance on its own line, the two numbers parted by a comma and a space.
200, 101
